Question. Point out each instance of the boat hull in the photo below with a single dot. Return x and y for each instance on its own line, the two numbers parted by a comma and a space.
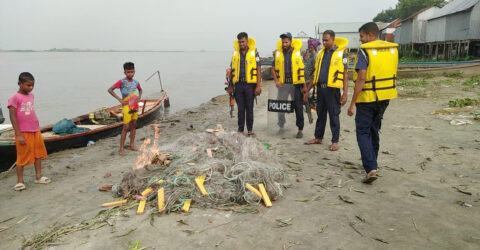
59, 143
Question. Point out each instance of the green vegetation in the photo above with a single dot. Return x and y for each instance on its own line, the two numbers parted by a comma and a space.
454, 75
424, 81
413, 92
386, 16
473, 81
443, 81
463, 102
405, 8
447, 81
466, 58
408, 59
418, 82
57, 231
134, 245
411, 55
428, 76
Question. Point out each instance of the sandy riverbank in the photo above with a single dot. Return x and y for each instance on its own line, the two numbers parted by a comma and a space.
421, 154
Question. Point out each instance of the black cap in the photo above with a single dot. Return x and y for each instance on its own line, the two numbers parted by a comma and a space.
286, 35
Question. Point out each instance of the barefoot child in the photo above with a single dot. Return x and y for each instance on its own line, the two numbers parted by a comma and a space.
128, 87
28, 139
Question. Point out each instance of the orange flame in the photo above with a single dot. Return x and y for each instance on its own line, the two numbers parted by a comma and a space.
148, 154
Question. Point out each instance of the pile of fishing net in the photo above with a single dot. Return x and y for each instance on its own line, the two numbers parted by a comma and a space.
226, 160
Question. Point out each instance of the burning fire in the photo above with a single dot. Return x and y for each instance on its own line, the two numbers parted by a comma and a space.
149, 154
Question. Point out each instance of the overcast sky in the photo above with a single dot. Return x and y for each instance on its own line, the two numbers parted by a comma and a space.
168, 25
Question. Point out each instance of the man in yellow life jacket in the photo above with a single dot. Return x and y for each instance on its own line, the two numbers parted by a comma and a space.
330, 75
288, 68
375, 85
245, 75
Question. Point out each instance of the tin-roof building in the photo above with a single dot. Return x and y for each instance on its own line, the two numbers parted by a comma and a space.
304, 37
346, 30
412, 29
387, 33
454, 31
458, 20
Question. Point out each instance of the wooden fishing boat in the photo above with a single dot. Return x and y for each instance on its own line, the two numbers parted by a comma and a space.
149, 110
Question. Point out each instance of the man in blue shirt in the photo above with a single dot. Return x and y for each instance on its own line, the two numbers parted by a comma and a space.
329, 99
245, 89
368, 118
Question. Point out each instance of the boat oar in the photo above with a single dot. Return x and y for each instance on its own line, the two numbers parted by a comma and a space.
167, 101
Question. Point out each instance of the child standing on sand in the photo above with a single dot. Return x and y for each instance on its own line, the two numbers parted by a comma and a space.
28, 138
128, 87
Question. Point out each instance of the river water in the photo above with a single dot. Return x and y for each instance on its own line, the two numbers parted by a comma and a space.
68, 84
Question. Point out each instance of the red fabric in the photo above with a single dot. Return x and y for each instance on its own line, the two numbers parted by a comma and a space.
119, 85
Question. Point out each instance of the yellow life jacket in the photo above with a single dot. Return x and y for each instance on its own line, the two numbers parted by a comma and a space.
381, 76
298, 68
251, 72
336, 69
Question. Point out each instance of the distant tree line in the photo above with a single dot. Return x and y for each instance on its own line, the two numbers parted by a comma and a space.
405, 8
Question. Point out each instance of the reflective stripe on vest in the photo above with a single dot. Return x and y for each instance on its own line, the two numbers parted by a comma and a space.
298, 68
336, 69
250, 63
381, 75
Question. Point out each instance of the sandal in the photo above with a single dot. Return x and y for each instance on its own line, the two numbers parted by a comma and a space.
370, 177
251, 134
314, 141
299, 135
19, 187
43, 180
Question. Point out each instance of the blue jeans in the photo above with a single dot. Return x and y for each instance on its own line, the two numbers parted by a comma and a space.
368, 121
328, 101
244, 96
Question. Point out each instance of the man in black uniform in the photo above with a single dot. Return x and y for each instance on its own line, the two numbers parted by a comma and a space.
245, 76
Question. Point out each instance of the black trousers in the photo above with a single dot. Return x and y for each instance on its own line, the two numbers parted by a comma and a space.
297, 105
244, 96
368, 122
328, 101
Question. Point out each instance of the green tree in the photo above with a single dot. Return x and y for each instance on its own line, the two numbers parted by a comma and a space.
405, 8
386, 16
